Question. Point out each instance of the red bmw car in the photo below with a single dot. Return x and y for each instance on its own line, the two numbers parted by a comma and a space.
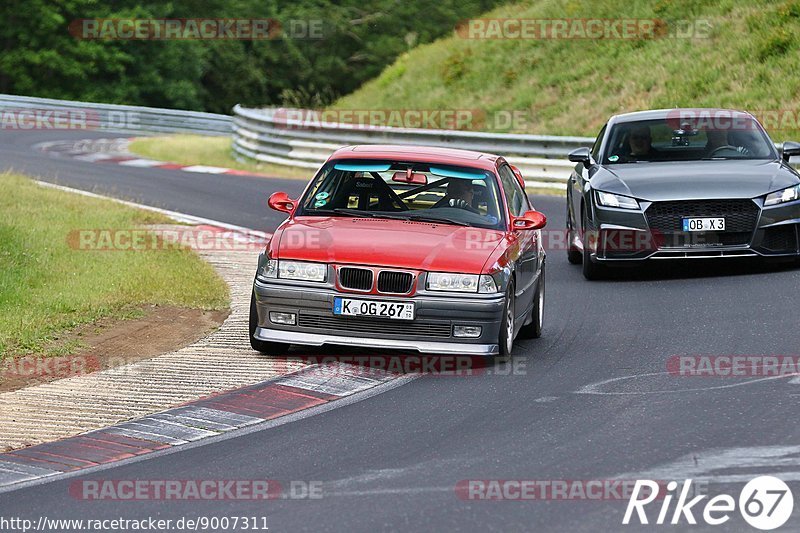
407, 247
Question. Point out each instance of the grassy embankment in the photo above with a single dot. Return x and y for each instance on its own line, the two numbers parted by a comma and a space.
211, 151
571, 86
48, 287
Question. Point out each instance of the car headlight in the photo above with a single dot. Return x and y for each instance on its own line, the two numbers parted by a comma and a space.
296, 270
445, 281
487, 285
606, 199
267, 269
788, 194
301, 271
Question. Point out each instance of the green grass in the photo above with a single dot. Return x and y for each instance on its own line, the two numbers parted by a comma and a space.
203, 150
48, 287
570, 87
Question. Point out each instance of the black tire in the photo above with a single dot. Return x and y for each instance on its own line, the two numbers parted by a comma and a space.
506, 343
574, 255
267, 348
534, 329
591, 270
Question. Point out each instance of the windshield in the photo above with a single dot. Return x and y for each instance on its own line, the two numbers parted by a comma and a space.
667, 140
406, 191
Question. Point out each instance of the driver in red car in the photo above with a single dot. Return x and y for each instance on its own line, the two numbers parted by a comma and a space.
459, 194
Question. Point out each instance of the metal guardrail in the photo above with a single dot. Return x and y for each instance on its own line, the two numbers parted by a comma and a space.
272, 136
26, 112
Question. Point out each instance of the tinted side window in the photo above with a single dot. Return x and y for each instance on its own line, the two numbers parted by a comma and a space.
517, 200
596, 146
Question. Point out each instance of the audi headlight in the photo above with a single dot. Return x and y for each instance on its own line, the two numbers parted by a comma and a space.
300, 271
606, 199
445, 281
788, 194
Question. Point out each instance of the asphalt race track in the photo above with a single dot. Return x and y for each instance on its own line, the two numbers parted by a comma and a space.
202, 195
392, 461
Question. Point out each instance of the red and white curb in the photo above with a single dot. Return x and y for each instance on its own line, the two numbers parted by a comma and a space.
116, 151
209, 417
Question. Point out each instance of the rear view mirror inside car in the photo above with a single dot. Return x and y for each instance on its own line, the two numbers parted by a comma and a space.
414, 178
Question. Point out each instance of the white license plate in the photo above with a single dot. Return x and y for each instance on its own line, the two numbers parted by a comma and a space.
704, 224
378, 308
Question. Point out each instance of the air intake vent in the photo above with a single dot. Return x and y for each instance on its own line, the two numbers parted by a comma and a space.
666, 218
395, 282
358, 326
358, 279
740, 215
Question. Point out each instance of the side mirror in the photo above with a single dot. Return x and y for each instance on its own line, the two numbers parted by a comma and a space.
790, 149
280, 201
530, 220
518, 173
581, 155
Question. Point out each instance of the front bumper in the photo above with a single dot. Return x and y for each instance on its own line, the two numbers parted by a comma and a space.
431, 331
625, 236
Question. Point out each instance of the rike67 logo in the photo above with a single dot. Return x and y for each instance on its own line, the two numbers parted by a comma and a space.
765, 503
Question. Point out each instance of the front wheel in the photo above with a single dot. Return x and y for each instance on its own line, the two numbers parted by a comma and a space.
574, 255
506, 339
591, 270
265, 347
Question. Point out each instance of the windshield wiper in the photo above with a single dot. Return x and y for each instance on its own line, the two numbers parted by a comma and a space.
331, 212
369, 214
357, 213
436, 220
353, 212
344, 211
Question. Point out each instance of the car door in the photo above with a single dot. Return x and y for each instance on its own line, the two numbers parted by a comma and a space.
525, 241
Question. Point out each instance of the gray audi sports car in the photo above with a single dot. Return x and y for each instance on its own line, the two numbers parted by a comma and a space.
681, 183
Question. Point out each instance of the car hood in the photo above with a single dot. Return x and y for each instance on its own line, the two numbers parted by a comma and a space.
389, 243
680, 180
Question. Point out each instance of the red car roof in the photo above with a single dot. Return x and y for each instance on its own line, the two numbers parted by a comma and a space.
422, 154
